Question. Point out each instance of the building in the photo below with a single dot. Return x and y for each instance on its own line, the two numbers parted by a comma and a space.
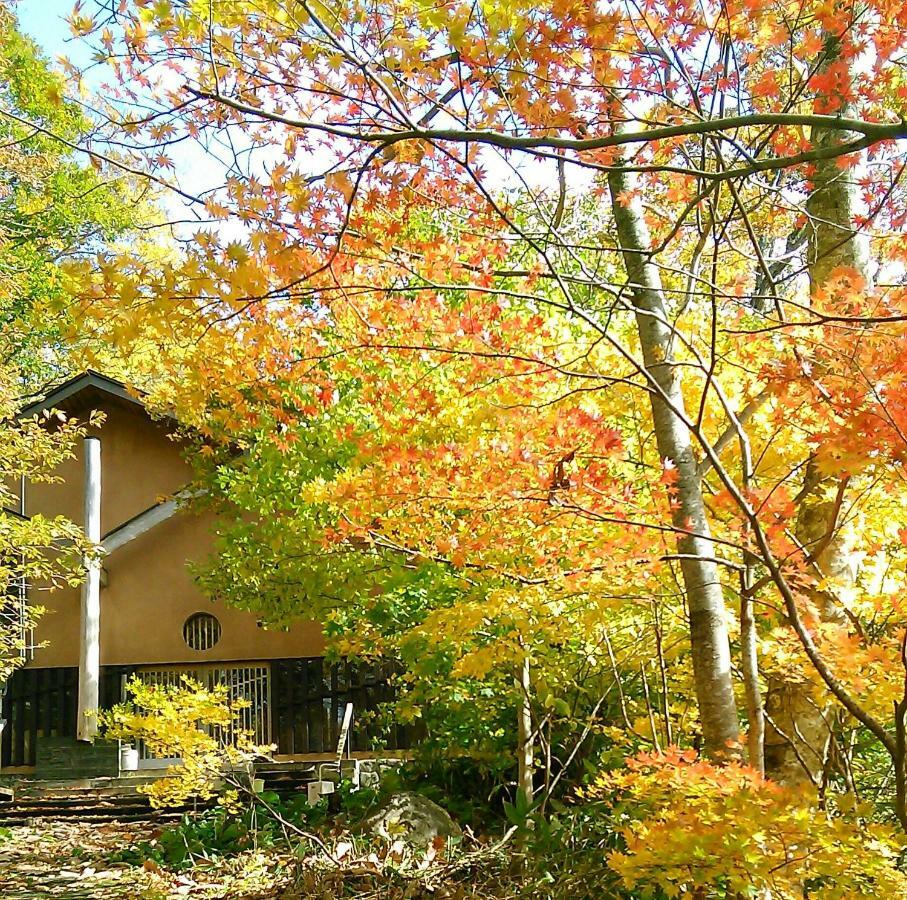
139, 611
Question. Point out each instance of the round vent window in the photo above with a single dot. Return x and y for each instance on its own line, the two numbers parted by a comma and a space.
201, 631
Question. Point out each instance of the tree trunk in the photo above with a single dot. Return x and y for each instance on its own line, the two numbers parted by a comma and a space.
800, 713
709, 644
799, 730
525, 742
749, 665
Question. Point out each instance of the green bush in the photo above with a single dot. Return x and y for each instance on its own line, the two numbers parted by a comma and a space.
266, 821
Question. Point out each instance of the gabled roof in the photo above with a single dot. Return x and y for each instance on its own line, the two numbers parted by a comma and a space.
82, 389
89, 389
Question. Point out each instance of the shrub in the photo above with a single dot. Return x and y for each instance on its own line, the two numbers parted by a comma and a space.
193, 723
692, 827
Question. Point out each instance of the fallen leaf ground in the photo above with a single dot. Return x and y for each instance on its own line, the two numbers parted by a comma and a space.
71, 860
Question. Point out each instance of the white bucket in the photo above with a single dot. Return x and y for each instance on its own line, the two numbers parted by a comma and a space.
129, 759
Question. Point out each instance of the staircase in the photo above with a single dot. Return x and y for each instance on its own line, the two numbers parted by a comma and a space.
117, 800
83, 805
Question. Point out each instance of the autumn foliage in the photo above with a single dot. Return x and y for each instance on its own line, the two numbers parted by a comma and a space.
768, 837
555, 353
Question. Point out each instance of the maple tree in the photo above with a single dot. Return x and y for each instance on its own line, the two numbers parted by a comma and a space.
54, 207
538, 322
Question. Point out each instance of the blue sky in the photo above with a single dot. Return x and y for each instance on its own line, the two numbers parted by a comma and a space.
44, 20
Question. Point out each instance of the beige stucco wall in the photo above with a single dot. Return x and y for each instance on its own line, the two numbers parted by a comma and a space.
150, 592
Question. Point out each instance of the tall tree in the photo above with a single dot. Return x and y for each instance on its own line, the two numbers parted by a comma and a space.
711, 652
433, 223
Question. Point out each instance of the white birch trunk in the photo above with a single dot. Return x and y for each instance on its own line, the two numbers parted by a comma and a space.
525, 742
709, 644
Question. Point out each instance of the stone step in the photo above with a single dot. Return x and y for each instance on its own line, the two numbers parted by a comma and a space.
64, 802
72, 812
150, 816
109, 799
83, 807
120, 788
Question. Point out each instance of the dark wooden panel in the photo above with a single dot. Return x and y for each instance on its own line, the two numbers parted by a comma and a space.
309, 696
37, 704
44, 703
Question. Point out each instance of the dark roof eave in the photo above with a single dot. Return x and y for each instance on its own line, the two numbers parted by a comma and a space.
76, 385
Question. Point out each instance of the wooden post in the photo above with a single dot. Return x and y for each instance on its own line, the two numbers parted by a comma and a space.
90, 623
343, 737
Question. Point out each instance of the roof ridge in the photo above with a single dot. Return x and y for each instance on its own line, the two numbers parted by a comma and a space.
76, 384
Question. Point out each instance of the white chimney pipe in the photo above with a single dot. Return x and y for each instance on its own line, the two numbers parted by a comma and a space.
90, 631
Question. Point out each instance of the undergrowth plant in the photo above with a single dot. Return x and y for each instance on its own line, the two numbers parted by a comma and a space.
249, 821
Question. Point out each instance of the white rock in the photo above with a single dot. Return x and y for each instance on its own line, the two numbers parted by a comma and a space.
414, 819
